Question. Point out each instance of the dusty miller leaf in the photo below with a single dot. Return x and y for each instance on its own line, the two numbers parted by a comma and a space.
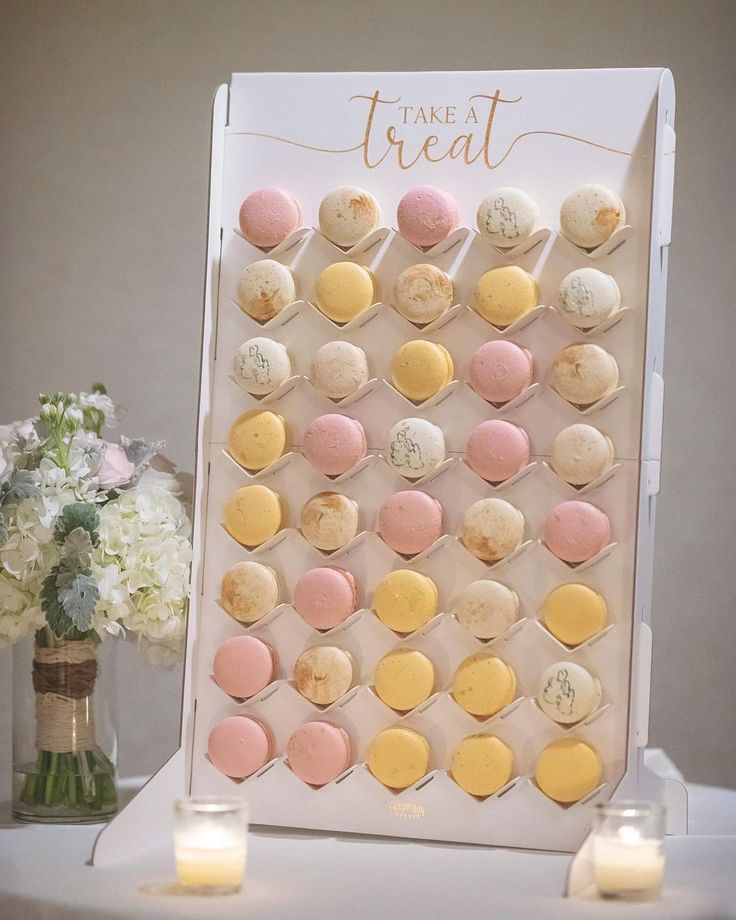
79, 598
77, 547
21, 484
3, 529
75, 515
139, 451
56, 616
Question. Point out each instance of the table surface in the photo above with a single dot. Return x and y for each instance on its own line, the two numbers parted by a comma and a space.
45, 873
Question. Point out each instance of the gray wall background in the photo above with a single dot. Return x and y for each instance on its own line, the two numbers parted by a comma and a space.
105, 110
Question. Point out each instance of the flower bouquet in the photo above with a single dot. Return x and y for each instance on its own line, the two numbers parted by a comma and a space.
93, 542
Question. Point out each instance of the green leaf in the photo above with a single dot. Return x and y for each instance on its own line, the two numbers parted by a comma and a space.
99, 388
77, 548
56, 616
139, 451
3, 529
79, 598
21, 484
78, 514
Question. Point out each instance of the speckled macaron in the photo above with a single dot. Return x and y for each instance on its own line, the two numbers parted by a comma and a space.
486, 608
423, 293
347, 215
329, 520
492, 529
324, 673
584, 373
590, 215
580, 454
339, 369
257, 439
249, 591
265, 288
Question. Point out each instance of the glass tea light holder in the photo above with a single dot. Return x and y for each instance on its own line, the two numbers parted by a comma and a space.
628, 849
210, 843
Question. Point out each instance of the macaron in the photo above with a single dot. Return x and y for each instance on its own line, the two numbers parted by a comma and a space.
398, 757
486, 608
333, 443
575, 531
324, 597
497, 450
483, 685
492, 529
249, 590
268, 216
500, 371
426, 215
574, 613
420, 369
568, 769
584, 373
329, 520
265, 288
587, 296
481, 764
324, 673
505, 294
344, 290
423, 293
243, 666
257, 439
507, 217
590, 215
339, 369
404, 678
410, 521
319, 752
568, 692
405, 600
415, 447
238, 746
261, 365
348, 214
580, 454
253, 514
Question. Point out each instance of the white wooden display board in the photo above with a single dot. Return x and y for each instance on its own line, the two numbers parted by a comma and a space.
542, 131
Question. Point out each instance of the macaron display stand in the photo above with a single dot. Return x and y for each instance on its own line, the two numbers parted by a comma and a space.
468, 133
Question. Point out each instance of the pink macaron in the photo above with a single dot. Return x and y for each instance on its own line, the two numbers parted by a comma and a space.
497, 450
427, 215
239, 745
326, 596
576, 531
334, 443
243, 666
319, 752
410, 521
268, 216
500, 371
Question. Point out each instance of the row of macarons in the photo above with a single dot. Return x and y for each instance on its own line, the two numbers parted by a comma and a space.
496, 449
405, 601
426, 215
423, 293
320, 751
404, 678
492, 528
499, 371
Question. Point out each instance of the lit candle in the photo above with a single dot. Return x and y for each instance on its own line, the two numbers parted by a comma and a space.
210, 840
628, 851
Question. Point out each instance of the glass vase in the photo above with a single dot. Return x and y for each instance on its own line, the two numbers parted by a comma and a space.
64, 729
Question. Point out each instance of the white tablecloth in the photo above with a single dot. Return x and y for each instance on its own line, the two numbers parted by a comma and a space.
45, 873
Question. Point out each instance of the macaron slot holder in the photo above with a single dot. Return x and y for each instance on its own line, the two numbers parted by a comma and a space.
249, 119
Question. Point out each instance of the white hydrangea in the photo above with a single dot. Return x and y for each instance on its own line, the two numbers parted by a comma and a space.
142, 564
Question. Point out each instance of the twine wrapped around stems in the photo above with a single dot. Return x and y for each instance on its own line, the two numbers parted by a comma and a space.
64, 678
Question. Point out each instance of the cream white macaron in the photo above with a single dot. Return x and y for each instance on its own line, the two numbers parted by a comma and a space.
580, 454
348, 214
584, 373
568, 692
587, 296
486, 608
265, 288
339, 369
261, 365
507, 217
415, 447
590, 215
492, 529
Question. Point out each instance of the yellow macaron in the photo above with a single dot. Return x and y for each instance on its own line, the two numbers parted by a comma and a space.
483, 685
481, 764
257, 439
344, 290
404, 678
568, 770
573, 613
505, 294
405, 600
253, 514
420, 369
398, 757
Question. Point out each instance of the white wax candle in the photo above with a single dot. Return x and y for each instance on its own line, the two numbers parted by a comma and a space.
210, 857
628, 863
